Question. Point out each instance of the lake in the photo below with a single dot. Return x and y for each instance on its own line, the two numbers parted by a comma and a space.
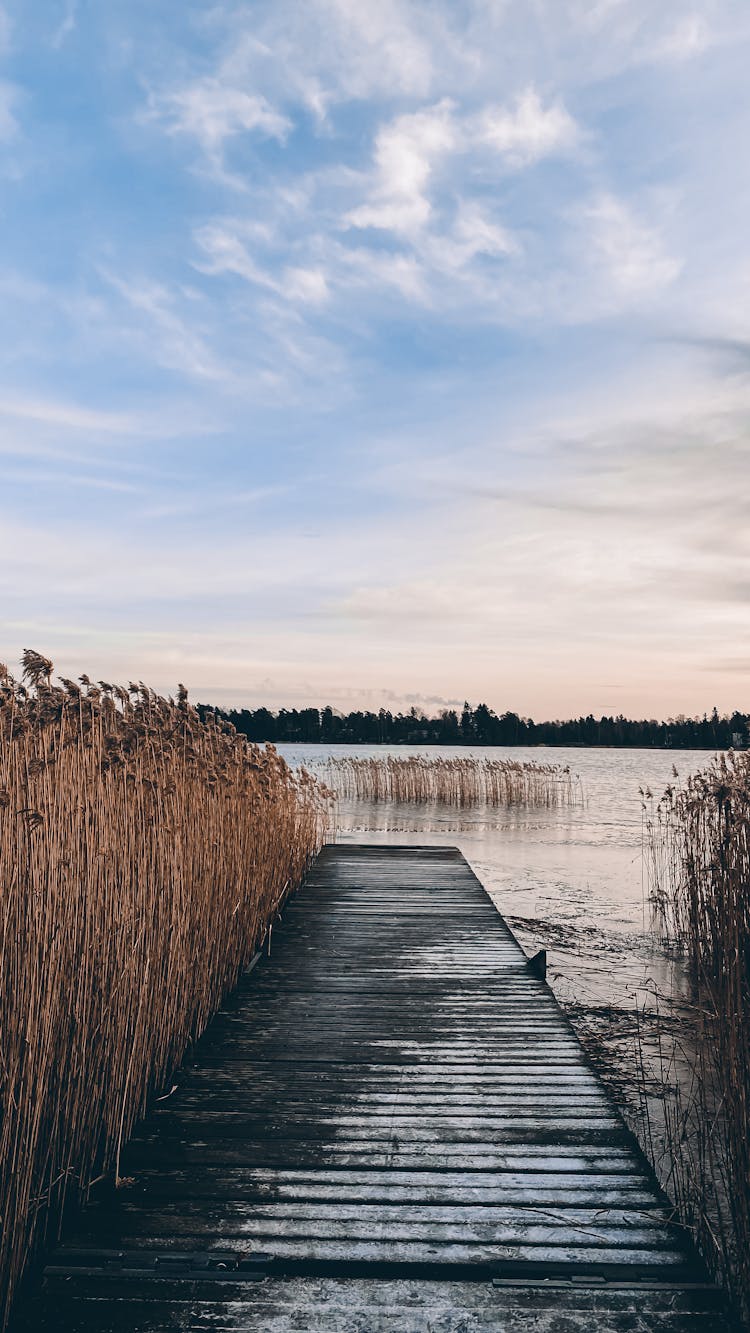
569, 879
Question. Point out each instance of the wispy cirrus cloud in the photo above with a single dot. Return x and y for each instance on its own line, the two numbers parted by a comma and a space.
211, 111
225, 252
377, 49
412, 148
66, 25
627, 251
9, 99
407, 151
176, 341
528, 131
690, 36
65, 414
441, 235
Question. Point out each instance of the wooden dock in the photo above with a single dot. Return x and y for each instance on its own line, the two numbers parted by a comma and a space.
389, 1127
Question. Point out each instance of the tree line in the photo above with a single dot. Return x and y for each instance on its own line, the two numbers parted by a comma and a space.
482, 726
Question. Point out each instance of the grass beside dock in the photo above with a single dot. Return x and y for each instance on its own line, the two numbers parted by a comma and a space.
143, 854
458, 781
699, 853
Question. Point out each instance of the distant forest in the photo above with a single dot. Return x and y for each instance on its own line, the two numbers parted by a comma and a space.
481, 726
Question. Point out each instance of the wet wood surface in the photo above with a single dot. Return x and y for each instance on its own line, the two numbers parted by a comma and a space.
390, 1105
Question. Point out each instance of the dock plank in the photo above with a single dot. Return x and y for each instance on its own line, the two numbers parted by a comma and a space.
393, 1110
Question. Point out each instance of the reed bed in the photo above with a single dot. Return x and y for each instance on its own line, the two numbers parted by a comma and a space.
699, 851
143, 857
462, 781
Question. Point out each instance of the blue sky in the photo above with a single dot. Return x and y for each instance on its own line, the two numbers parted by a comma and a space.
366, 354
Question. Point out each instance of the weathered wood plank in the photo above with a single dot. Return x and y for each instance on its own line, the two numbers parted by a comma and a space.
369, 1306
184, 1189
293, 1153
519, 1220
401, 1246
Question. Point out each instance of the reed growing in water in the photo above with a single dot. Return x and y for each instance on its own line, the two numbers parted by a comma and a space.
461, 781
699, 850
143, 855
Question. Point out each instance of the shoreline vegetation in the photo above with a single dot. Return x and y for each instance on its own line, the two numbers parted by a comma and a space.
698, 854
144, 855
482, 726
461, 781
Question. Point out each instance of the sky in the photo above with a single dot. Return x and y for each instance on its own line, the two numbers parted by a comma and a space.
379, 354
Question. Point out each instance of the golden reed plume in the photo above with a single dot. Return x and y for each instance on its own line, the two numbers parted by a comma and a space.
698, 848
460, 781
143, 855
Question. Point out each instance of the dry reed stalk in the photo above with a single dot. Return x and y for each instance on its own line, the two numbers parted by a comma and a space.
143, 855
460, 781
699, 849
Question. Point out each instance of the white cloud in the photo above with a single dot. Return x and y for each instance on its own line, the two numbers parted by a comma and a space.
179, 343
227, 254
594, 13
474, 233
345, 269
58, 477
316, 57
529, 131
362, 267
690, 36
629, 251
307, 285
67, 24
8, 101
410, 150
213, 112
71, 415
406, 154
379, 47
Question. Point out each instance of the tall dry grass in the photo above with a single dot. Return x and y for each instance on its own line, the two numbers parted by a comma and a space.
460, 781
699, 853
143, 854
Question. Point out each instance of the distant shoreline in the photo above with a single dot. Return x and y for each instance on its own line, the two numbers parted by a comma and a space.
482, 726
507, 745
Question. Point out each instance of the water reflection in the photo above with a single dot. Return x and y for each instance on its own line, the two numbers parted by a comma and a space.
570, 879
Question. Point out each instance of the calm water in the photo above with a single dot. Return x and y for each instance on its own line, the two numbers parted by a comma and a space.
569, 879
